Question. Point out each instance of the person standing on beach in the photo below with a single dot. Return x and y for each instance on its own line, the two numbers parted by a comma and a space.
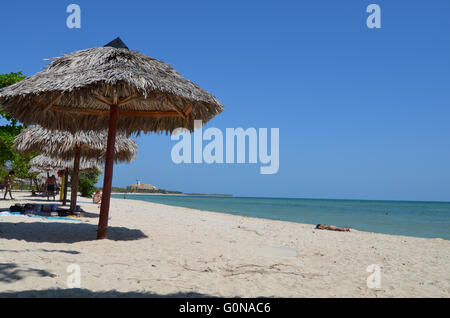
8, 184
51, 187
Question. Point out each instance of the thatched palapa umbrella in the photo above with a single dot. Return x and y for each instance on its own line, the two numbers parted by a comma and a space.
52, 165
45, 163
73, 146
112, 87
42, 175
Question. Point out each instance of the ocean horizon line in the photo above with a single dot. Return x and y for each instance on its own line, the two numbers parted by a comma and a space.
286, 198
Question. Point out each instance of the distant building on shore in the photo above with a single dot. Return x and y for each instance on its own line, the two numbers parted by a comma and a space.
142, 186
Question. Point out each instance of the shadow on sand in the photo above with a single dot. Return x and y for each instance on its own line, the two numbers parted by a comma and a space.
42, 250
40, 199
58, 232
10, 273
85, 293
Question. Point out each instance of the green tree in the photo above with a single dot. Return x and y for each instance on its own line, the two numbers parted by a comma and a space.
9, 157
87, 181
7, 80
7, 151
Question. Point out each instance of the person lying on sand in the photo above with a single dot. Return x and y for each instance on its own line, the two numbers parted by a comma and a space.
332, 228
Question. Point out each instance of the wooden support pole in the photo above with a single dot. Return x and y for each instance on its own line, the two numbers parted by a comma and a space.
76, 170
102, 99
66, 174
63, 185
180, 112
128, 99
125, 113
109, 164
187, 110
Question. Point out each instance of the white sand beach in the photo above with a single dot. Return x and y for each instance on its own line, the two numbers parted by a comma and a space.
156, 250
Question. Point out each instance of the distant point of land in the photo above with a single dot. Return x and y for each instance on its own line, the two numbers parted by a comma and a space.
208, 195
128, 190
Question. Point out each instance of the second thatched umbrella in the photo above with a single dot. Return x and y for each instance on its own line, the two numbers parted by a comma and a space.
109, 87
73, 146
45, 163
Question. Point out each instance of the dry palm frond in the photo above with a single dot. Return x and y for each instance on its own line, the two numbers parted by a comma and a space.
44, 163
63, 144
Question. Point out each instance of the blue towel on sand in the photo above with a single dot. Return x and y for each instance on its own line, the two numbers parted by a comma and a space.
11, 214
38, 216
55, 218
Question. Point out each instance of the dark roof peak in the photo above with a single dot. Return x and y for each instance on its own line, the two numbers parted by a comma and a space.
118, 44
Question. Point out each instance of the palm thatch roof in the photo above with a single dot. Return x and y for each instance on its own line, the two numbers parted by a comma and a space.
62, 144
76, 90
45, 163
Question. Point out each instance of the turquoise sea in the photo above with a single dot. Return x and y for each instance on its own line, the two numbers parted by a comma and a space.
421, 219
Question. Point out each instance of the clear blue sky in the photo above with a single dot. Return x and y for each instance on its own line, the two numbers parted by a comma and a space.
362, 113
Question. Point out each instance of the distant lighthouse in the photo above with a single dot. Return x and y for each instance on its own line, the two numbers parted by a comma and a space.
138, 182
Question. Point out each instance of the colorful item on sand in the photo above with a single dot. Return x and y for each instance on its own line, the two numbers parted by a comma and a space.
56, 218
